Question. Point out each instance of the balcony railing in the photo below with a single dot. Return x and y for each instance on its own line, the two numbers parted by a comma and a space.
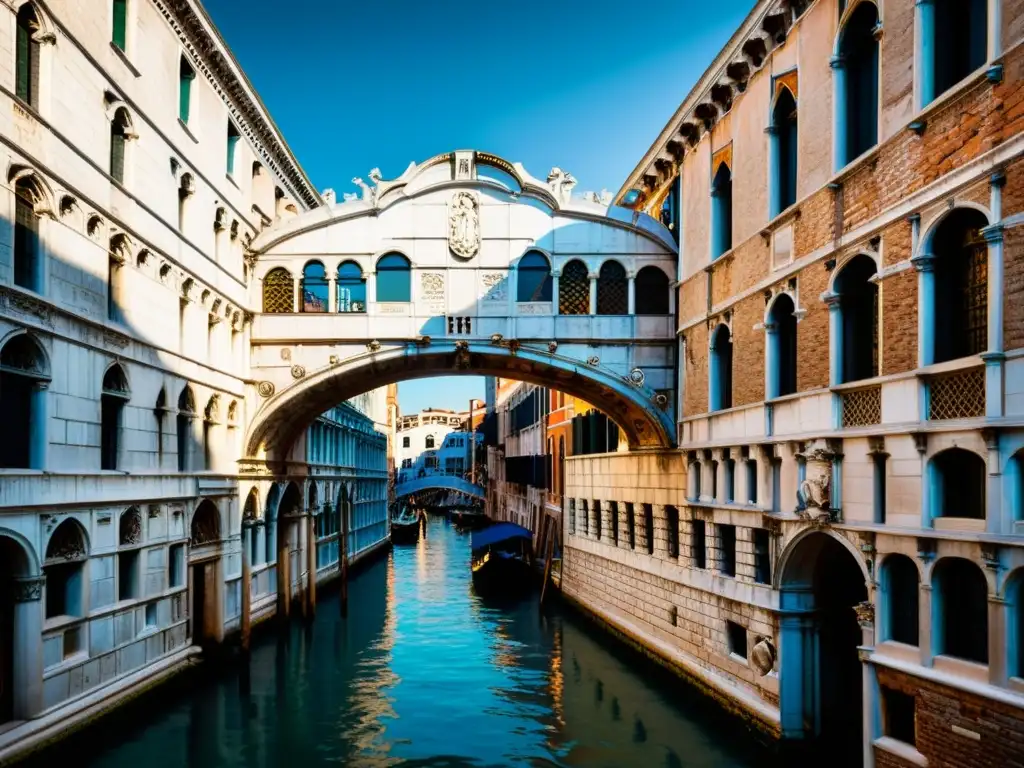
957, 395
862, 407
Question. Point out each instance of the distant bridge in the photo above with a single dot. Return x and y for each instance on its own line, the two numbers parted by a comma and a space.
439, 482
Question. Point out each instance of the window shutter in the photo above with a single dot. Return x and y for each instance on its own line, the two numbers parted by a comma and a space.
23, 63
117, 154
120, 23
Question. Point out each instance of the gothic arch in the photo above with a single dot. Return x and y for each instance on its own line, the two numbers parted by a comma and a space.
42, 356
928, 230
27, 177
30, 565
793, 561
204, 525
64, 535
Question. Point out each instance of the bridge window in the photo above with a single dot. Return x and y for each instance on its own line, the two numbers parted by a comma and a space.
429, 442
120, 127
394, 278
22, 403
783, 139
574, 289
651, 290
901, 591
278, 292
533, 278
960, 611
856, 85
958, 32
721, 211
26, 79
351, 288
858, 305
314, 287
782, 347
721, 368
958, 480
27, 261
612, 290
186, 412
112, 401
961, 286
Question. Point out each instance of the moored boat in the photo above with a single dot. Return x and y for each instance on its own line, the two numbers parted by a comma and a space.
501, 555
405, 529
470, 518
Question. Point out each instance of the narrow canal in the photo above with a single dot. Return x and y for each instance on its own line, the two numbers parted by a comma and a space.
423, 673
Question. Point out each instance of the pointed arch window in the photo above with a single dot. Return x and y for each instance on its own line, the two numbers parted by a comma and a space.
533, 278
351, 288
232, 147
857, 347
278, 291
186, 413
394, 278
66, 554
652, 292
26, 76
961, 285
205, 524
159, 412
783, 138
23, 378
27, 257
270, 515
856, 85
781, 330
721, 211
120, 131
612, 290
721, 368
574, 289
429, 442
315, 290
112, 402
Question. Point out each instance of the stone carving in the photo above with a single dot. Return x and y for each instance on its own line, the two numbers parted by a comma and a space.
496, 338
602, 198
66, 544
265, 388
534, 308
494, 287
369, 195
637, 377
593, 360
286, 354
28, 590
334, 359
432, 290
328, 196
552, 347
350, 197
246, 468
13, 302
298, 371
762, 656
464, 225
131, 527
814, 496
865, 613
661, 401
373, 346
561, 184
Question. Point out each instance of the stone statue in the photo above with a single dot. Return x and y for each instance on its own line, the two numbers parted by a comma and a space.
328, 196
350, 197
561, 184
464, 225
374, 176
368, 194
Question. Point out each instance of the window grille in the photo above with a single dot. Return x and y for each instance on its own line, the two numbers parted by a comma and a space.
959, 395
862, 407
278, 291
612, 290
574, 290
973, 296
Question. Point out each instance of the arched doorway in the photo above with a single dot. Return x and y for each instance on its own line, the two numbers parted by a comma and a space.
206, 626
21, 621
820, 675
287, 551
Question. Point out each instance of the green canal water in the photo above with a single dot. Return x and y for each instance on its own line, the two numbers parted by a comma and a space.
422, 672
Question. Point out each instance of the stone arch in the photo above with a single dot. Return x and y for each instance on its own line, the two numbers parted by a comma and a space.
612, 288
652, 291
129, 528
781, 346
26, 177
284, 415
27, 562
574, 288
313, 496
205, 525
31, 343
251, 509
960, 592
720, 365
957, 478
24, 372
68, 540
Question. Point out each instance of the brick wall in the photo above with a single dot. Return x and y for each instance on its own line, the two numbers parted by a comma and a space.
899, 301
748, 351
939, 708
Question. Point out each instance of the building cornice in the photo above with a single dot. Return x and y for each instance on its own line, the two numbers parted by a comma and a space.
214, 59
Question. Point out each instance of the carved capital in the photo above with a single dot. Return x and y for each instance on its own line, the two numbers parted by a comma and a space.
27, 590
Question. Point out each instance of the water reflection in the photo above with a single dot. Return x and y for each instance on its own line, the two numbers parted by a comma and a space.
424, 673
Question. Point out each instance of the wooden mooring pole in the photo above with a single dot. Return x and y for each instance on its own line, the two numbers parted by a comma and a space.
547, 569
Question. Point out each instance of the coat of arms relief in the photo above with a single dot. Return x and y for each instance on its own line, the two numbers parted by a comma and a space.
464, 225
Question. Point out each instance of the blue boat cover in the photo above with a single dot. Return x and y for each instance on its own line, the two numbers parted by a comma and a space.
497, 533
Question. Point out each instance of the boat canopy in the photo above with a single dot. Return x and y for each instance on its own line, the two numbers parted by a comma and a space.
497, 533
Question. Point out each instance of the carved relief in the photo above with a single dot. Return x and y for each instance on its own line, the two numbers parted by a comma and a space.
534, 308
464, 225
131, 527
494, 287
298, 371
265, 388
28, 590
432, 291
15, 303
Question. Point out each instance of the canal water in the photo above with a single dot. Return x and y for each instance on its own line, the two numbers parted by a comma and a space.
424, 673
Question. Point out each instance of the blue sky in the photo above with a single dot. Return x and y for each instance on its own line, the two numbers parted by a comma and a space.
586, 86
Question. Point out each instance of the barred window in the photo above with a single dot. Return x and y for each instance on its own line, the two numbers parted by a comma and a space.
278, 291
651, 292
314, 287
574, 290
858, 307
961, 285
612, 290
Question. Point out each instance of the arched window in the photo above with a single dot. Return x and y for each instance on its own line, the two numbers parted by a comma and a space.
782, 347
159, 410
858, 305
211, 418
27, 259
856, 85
958, 479
120, 128
394, 278
112, 401
651, 292
270, 513
783, 143
961, 285
351, 288
533, 278
186, 412
612, 290
23, 403
186, 74
26, 77
574, 289
900, 581
960, 610
721, 368
205, 524
721, 211
251, 527
671, 208
278, 292
66, 553
314, 287
959, 43
119, 34
429, 442
129, 544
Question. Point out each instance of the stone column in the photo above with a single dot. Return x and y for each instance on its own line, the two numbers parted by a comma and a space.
994, 357
924, 624
554, 291
835, 338
332, 295
924, 36
40, 438
994, 482
632, 294
774, 189
593, 293
998, 666
28, 647
260, 531
707, 479
838, 66
296, 295
871, 713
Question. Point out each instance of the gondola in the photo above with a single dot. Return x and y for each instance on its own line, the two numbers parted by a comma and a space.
470, 518
501, 557
405, 529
